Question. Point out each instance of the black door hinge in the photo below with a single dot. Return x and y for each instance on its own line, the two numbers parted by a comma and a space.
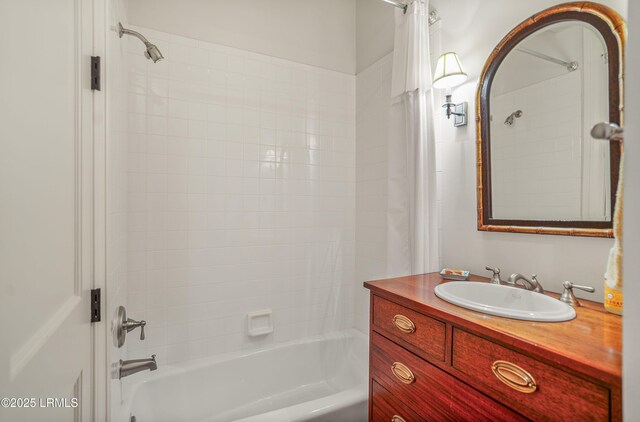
95, 305
95, 73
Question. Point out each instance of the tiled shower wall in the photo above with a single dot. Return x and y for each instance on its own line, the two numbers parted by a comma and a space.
241, 197
373, 100
537, 161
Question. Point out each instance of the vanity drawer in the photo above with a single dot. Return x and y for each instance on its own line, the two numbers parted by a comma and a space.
535, 389
409, 327
410, 379
385, 407
430, 392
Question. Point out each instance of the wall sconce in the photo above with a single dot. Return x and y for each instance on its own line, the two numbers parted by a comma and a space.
448, 74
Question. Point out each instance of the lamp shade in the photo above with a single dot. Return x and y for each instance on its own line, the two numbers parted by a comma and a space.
449, 71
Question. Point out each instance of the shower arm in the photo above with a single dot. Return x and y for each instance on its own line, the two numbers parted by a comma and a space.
152, 52
122, 30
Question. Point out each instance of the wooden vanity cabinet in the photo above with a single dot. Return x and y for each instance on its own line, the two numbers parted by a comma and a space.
433, 361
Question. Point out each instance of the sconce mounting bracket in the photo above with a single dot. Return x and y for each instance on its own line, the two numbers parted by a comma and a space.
460, 114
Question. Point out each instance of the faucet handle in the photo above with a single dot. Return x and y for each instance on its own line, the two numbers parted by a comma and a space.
124, 325
133, 324
579, 287
143, 323
567, 295
495, 279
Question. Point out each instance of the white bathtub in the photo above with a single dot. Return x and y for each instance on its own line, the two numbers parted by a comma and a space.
320, 378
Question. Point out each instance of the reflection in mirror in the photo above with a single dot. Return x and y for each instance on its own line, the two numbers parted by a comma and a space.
547, 94
542, 89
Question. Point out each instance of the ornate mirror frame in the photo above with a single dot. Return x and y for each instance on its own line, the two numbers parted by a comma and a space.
612, 28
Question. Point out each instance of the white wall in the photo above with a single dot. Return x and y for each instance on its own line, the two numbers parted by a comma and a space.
374, 32
553, 258
319, 33
631, 235
241, 197
375, 21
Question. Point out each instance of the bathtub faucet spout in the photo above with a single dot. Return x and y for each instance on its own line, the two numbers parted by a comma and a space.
129, 367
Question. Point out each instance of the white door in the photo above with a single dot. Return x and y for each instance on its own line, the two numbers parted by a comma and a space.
46, 251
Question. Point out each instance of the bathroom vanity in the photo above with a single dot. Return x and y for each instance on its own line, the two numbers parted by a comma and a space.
432, 360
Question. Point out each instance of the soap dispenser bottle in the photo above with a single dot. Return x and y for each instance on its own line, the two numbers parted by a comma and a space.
613, 277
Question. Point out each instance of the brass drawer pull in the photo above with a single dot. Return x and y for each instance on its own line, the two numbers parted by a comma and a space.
403, 373
404, 324
396, 418
514, 376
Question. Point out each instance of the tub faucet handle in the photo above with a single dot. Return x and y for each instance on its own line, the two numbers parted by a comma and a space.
124, 325
131, 324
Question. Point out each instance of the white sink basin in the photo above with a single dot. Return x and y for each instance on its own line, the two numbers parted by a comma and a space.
505, 301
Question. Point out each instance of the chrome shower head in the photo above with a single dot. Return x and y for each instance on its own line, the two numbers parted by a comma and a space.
152, 52
510, 119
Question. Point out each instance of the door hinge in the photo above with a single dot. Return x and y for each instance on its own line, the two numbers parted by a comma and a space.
95, 73
95, 305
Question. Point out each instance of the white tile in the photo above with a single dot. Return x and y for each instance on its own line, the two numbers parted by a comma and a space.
231, 174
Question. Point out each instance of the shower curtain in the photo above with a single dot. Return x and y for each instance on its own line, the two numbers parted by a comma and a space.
412, 227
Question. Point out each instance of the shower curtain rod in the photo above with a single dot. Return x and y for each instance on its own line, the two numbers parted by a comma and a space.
397, 4
433, 15
571, 66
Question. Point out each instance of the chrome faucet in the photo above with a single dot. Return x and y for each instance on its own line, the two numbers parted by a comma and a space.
130, 367
532, 284
516, 279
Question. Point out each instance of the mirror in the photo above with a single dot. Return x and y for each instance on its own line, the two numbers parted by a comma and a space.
547, 83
